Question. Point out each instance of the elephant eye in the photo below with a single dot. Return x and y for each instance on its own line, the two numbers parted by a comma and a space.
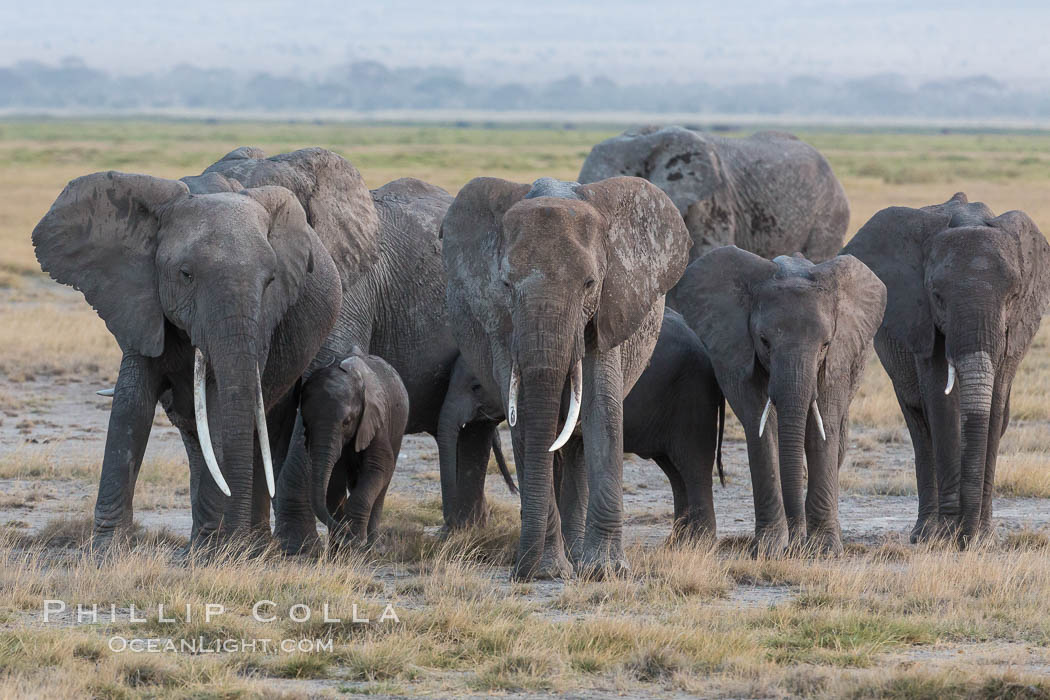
273, 278
185, 275
827, 344
765, 342
589, 284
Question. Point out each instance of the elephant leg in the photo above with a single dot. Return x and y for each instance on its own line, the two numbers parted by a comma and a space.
206, 501
678, 492
925, 472
603, 452
1000, 415
130, 422
373, 475
553, 562
822, 494
472, 463
695, 472
771, 530
573, 496
942, 416
296, 527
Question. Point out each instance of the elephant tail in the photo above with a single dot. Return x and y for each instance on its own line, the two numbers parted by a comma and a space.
721, 431
497, 450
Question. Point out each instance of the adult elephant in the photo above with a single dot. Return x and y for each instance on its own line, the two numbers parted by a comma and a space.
218, 302
770, 193
967, 290
556, 287
673, 415
392, 307
788, 341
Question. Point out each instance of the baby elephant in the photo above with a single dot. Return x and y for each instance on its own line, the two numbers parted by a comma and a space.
354, 414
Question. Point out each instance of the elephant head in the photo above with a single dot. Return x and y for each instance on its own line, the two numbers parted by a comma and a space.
792, 335
167, 269
968, 284
548, 273
344, 405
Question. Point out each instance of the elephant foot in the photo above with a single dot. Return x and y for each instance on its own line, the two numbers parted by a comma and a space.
297, 538
770, 542
553, 566
602, 562
925, 529
691, 531
825, 542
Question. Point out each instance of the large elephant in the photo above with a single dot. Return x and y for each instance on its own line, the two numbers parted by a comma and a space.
556, 286
673, 415
219, 302
392, 307
770, 193
788, 341
967, 290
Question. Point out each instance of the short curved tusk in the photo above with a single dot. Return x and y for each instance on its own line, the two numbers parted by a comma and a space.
108, 393
765, 416
820, 421
264, 435
200, 412
951, 378
512, 396
575, 401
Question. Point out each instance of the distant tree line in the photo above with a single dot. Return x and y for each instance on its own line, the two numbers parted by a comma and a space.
369, 85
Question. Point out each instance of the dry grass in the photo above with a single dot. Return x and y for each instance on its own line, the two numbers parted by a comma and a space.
674, 625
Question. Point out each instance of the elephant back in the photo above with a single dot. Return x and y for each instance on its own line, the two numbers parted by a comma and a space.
338, 205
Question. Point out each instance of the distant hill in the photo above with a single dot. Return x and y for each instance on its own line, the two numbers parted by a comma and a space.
368, 86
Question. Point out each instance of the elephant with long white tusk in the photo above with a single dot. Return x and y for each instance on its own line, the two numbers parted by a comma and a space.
787, 339
198, 281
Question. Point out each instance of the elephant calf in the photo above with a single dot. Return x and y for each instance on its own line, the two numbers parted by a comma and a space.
354, 415
788, 341
673, 415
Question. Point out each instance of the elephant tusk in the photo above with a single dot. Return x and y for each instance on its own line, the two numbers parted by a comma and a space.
264, 435
200, 412
107, 393
820, 421
575, 401
512, 396
765, 415
951, 378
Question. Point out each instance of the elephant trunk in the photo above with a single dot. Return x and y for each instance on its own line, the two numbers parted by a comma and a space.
324, 450
538, 420
449, 426
976, 378
792, 389
237, 382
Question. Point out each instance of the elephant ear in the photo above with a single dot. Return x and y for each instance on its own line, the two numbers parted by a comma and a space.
374, 402
891, 245
100, 237
293, 242
471, 233
647, 249
714, 296
860, 302
1023, 320
331, 191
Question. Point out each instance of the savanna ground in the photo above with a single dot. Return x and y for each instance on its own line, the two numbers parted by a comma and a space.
885, 619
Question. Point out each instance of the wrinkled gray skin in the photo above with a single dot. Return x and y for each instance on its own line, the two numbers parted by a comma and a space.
240, 275
796, 334
672, 416
969, 288
390, 306
466, 407
769, 193
355, 415
541, 278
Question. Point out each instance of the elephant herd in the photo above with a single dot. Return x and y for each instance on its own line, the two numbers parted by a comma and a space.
295, 325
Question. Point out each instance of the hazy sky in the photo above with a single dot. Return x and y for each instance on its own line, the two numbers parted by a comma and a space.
627, 40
